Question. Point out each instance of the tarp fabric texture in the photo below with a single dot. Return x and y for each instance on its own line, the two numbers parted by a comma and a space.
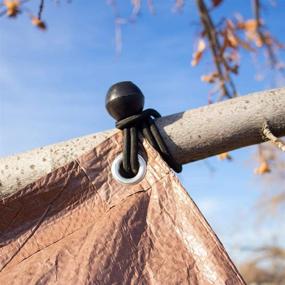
78, 225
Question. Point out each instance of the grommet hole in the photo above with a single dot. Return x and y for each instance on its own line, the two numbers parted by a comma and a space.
120, 175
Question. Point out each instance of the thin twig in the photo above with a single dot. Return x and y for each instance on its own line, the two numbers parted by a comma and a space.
211, 35
41, 8
216, 49
272, 57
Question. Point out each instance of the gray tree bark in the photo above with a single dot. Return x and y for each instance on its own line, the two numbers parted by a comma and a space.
190, 135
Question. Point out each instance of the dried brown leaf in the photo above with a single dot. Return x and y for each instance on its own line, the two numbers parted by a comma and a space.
198, 54
210, 78
263, 168
224, 156
231, 39
38, 23
249, 25
12, 7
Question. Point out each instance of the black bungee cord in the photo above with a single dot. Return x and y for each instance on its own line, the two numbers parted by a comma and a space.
125, 102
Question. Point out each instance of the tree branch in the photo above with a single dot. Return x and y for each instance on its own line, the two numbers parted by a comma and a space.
271, 54
215, 46
191, 135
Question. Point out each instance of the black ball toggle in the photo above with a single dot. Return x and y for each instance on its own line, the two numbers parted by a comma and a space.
123, 100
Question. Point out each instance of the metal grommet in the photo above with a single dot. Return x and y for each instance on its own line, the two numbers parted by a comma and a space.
133, 180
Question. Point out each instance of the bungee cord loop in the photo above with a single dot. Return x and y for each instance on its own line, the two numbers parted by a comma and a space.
125, 102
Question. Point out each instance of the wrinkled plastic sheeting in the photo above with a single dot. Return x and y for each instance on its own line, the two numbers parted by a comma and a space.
77, 225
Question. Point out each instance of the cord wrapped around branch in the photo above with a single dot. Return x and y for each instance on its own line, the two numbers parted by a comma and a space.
268, 135
125, 102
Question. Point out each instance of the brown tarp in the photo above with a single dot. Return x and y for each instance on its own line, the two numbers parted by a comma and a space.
77, 225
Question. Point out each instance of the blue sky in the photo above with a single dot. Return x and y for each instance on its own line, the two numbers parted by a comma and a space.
53, 87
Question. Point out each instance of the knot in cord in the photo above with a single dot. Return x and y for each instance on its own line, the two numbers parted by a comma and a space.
143, 123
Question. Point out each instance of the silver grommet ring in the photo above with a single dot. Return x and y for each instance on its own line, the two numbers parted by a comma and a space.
133, 180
